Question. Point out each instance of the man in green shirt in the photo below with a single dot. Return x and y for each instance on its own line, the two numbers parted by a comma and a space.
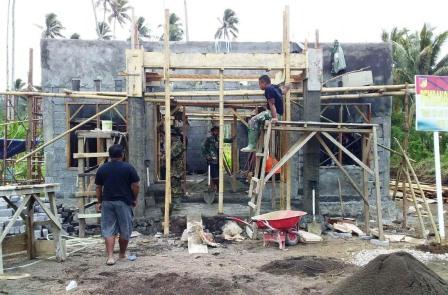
210, 151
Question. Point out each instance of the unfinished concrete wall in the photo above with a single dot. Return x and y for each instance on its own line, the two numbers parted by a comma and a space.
63, 60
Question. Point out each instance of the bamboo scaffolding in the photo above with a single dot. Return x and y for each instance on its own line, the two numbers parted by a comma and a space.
221, 144
166, 72
72, 129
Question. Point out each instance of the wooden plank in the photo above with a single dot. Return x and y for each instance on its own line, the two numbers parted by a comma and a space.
221, 144
59, 243
255, 61
81, 187
352, 156
195, 245
379, 214
417, 208
365, 184
236, 114
88, 215
261, 182
47, 211
13, 244
288, 155
13, 219
30, 228
90, 155
135, 72
98, 134
166, 73
90, 194
46, 248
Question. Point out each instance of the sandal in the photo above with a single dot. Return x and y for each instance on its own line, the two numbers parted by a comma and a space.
110, 261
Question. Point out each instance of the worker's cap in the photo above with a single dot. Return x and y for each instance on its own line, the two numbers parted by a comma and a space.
214, 128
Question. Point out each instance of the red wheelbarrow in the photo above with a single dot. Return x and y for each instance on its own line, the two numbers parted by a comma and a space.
278, 226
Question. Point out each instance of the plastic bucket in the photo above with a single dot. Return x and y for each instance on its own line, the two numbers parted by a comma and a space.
106, 125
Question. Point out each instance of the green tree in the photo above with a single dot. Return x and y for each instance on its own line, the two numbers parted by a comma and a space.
104, 31
228, 25
119, 13
143, 30
75, 36
416, 53
53, 27
176, 31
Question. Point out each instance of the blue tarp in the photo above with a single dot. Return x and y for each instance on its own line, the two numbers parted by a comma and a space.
14, 147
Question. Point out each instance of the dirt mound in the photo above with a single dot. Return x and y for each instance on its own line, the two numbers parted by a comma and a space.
304, 265
398, 273
171, 284
433, 248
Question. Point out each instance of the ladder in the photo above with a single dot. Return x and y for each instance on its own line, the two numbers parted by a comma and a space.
256, 185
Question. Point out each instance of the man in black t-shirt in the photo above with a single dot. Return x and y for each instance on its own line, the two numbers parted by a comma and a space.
117, 188
274, 109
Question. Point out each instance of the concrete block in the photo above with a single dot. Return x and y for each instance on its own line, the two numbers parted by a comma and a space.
37, 234
22, 229
44, 233
377, 242
6, 212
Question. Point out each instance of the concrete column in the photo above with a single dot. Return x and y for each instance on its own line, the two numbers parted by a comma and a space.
136, 146
311, 152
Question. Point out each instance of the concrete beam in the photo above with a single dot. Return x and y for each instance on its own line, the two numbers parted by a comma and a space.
312, 107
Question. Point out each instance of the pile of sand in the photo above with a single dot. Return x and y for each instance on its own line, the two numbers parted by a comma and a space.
171, 284
398, 273
309, 266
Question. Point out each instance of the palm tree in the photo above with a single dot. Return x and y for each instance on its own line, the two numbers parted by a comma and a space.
227, 25
75, 36
107, 6
53, 27
417, 53
143, 30
119, 13
414, 53
104, 31
95, 17
176, 31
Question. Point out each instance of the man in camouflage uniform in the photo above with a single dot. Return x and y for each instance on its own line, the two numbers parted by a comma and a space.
177, 163
210, 151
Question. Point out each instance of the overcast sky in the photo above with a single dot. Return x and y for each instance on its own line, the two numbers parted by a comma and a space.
260, 20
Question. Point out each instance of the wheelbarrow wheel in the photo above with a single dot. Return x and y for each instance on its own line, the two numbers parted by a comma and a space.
292, 239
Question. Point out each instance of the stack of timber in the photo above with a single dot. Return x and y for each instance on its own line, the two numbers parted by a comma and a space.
428, 189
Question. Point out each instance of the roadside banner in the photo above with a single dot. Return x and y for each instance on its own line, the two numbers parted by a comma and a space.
431, 114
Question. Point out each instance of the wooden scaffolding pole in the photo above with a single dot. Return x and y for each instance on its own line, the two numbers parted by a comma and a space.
422, 193
379, 213
287, 57
166, 72
72, 129
365, 183
221, 143
29, 110
184, 154
235, 158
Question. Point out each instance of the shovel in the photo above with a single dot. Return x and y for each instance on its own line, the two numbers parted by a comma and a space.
314, 227
209, 196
